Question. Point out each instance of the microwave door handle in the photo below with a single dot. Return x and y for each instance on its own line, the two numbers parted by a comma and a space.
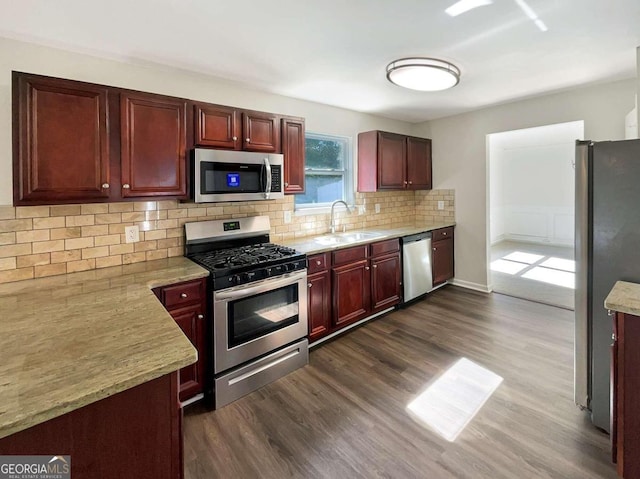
267, 169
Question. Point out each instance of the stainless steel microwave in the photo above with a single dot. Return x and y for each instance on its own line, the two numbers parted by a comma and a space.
222, 175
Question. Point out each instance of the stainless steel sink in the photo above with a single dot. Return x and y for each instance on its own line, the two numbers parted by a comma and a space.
346, 238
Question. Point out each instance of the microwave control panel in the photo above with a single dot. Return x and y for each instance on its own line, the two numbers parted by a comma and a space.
276, 175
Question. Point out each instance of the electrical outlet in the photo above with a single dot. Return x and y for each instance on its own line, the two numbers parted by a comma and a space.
440, 205
377, 207
287, 217
132, 234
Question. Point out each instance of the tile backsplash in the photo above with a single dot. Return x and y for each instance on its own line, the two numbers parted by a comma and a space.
37, 241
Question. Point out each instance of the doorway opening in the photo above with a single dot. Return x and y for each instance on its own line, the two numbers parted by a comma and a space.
531, 212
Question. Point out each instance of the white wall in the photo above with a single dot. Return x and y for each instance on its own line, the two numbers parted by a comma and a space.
460, 154
32, 58
532, 183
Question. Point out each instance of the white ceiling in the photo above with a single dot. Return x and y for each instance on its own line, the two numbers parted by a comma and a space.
335, 52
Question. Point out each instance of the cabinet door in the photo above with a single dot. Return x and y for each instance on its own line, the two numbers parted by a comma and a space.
261, 132
61, 140
319, 301
153, 145
293, 144
217, 126
385, 281
418, 163
442, 260
392, 161
191, 321
351, 293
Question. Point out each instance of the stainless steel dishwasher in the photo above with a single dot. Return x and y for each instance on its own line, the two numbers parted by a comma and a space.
416, 265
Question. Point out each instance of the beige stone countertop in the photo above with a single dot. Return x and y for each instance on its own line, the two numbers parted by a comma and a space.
624, 297
309, 246
68, 341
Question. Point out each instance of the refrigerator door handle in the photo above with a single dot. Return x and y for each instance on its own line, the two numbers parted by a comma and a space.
581, 342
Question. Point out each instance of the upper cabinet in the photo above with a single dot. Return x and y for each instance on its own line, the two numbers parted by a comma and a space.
293, 147
153, 145
389, 161
60, 140
218, 126
77, 142
69, 137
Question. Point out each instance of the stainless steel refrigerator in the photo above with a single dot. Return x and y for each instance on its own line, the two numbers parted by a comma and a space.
607, 241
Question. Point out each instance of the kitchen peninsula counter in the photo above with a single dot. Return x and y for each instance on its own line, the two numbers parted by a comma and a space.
68, 341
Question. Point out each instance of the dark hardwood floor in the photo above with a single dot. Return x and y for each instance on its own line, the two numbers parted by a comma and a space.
344, 415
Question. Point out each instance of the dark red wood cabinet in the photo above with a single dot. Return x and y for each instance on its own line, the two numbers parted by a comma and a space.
186, 303
153, 145
217, 126
363, 280
79, 142
442, 260
135, 434
625, 395
261, 132
61, 145
293, 148
390, 161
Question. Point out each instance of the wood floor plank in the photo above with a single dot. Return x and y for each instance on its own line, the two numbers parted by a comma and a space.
344, 415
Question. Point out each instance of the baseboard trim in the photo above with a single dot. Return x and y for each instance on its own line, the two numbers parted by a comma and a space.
469, 285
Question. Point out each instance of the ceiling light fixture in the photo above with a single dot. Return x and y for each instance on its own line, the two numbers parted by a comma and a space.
423, 74
463, 6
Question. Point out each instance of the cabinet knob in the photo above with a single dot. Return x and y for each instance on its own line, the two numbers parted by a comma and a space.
248, 140
105, 185
444, 233
318, 262
309, 285
411, 182
183, 295
613, 336
234, 138
609, 312
375, 265
367, 268
286, 184
405, 182
201, 316
126, 186
435, 249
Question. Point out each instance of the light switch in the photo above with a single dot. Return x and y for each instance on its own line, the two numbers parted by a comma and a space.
440, 205
287, 217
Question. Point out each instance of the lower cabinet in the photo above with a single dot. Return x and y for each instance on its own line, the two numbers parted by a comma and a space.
186, 303
442, 255
351, 284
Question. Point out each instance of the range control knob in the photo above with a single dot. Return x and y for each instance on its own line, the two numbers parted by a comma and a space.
237, 279
249, 276
268, 272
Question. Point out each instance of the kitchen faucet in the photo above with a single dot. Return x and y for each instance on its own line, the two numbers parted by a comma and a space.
332, 227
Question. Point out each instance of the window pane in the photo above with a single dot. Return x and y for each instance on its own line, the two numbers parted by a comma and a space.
322, 189
324, 154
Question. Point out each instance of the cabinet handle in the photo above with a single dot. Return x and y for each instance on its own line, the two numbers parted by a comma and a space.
126, 186
309, 285
248, 140
183, 295
105, 185
234, 138
367, 268
201, 316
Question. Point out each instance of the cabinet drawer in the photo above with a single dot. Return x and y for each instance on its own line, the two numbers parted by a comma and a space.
442, 233
384, 247
318, 262
349, 255
182, 293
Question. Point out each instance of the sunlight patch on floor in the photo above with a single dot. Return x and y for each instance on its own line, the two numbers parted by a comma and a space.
508, 267
552, 276
451, 402
559, 263
521, 257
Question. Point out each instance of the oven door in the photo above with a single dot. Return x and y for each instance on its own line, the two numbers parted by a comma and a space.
257, 318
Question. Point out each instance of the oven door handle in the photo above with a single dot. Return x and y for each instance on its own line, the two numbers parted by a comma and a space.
267, 169
261, 288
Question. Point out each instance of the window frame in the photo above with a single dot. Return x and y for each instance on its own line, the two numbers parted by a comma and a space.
348, 190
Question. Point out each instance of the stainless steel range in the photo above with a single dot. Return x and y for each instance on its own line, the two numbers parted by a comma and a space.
259, 294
